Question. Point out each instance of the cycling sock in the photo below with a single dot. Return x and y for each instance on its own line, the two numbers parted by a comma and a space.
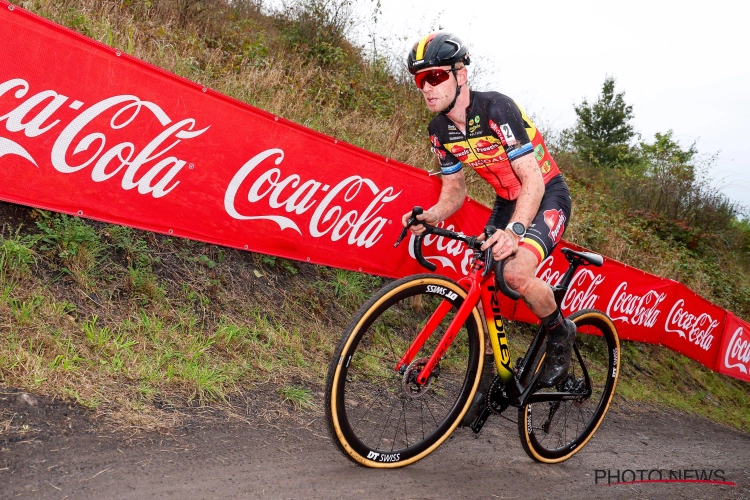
555, 324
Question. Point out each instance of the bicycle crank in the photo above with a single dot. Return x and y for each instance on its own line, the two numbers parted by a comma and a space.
495, 402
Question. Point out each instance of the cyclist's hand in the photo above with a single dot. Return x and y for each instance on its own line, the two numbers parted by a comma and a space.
427, 216
505, 244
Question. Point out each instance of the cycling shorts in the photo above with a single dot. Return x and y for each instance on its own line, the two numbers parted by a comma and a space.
550, 222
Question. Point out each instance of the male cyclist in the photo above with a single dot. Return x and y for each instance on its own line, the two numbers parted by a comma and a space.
489, 132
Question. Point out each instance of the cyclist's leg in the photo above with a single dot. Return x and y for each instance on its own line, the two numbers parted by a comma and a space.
544, 233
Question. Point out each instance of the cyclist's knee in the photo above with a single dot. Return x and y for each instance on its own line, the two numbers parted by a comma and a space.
519, 273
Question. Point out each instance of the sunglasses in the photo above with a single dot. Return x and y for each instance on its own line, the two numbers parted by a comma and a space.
434, 77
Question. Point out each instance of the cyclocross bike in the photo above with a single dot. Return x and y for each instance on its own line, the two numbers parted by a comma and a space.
409, 363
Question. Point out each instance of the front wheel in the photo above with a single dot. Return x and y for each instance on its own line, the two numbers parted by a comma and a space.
553, 431
379, 416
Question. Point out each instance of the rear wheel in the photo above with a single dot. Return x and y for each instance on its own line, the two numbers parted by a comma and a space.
377, 415
553, 431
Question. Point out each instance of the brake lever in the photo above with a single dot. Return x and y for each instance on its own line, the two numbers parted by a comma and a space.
411, 221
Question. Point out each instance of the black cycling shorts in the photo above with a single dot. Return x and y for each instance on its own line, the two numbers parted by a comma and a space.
551, 220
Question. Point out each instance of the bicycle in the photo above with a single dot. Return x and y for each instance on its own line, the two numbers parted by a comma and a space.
396, 388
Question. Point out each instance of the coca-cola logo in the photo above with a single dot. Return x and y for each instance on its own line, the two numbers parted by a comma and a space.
695, 329
545, 272
85, 141
486, 147
459, 151
444, 251
294, 196
737, 354
581, 294
638, 310
555, 219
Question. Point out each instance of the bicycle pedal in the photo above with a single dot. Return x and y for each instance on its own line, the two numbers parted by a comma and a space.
478, 423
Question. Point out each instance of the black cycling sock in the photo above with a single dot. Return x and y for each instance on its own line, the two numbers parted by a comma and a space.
555, 324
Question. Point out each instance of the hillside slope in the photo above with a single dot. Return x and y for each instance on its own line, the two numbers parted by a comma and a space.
134, 325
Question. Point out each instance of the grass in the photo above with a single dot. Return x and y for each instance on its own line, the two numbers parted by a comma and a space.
134, 325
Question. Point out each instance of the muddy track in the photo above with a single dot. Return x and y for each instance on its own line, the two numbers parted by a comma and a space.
63, 452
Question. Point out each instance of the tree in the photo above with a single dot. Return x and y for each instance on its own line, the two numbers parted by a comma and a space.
603, 133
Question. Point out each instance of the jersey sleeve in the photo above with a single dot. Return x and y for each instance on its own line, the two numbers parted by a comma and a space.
449, 164
508, 125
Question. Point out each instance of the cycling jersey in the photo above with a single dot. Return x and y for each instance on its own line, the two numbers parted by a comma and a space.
497, 132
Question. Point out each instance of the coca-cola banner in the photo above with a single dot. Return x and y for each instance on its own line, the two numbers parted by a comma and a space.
90, 131
734, 359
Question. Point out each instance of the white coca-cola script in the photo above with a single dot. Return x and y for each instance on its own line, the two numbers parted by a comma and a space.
545, 272
433, 245
581, 292
156, 173
271, 190
694, 328
738, 352
638, 310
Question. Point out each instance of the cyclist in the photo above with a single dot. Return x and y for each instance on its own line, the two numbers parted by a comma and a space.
489, 132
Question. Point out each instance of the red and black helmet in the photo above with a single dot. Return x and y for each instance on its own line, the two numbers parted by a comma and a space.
437, 49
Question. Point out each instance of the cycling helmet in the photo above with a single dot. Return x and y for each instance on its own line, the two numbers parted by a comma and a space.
437, 49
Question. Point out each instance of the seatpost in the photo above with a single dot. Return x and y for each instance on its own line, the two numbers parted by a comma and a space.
562, 288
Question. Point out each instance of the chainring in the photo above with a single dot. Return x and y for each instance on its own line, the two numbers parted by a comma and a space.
497, 399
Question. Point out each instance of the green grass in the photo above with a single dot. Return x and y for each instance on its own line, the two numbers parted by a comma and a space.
126, 322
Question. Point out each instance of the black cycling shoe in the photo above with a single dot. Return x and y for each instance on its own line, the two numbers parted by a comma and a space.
557, 360
480, 397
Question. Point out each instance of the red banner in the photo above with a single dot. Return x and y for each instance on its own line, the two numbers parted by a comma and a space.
88, 130
734, 359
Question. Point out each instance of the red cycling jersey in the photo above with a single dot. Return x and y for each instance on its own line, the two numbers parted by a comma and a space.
497, 132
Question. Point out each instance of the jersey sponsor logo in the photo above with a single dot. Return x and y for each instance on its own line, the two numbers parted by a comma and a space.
487, 148
486, 161
436, 147
539, 153
460, 152
555, 219
545, 167
498, 133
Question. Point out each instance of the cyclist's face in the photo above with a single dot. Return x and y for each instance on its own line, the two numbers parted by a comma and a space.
438, 97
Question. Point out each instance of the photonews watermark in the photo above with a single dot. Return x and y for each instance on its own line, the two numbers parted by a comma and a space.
610, 477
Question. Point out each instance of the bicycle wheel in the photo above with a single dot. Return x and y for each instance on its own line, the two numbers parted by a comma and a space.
553, 431
377, 416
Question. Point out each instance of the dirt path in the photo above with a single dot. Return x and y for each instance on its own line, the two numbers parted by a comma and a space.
67, 456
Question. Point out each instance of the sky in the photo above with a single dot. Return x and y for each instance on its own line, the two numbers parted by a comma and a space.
683, 66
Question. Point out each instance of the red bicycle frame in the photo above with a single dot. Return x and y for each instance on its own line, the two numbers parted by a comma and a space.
477, 285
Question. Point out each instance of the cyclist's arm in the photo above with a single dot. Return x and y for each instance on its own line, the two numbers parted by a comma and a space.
452, 196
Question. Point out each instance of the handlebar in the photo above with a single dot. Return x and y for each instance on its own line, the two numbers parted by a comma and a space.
472, 242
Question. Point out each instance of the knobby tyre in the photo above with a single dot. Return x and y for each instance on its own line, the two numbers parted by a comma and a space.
375, 416
553, 431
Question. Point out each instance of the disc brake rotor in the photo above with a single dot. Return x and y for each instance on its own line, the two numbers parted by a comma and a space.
409, 381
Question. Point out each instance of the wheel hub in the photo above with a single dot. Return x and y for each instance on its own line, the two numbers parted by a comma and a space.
409, 383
